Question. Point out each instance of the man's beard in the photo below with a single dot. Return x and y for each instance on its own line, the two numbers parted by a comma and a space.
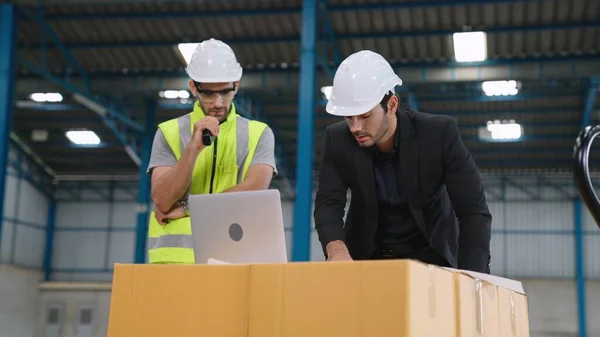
218, 113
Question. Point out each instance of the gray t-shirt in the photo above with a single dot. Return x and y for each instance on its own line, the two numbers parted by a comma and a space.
162, 155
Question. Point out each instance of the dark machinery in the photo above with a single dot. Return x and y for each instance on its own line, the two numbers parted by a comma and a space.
581, 170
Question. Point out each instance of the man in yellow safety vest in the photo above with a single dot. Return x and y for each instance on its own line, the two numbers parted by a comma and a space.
241, 156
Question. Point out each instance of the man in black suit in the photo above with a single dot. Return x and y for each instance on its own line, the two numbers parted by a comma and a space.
416, 191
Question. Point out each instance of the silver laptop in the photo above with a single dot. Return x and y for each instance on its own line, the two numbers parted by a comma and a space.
238, 227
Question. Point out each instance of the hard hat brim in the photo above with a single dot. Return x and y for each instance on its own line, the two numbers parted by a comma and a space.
217, 79
345, 111
348, 111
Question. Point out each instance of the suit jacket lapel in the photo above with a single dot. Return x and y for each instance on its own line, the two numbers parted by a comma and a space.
409, 152
409, 167
363, 162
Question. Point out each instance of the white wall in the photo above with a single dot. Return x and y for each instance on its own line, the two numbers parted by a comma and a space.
25, 215
22, 243
92, 235
18, 301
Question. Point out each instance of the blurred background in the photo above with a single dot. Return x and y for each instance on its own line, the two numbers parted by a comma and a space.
84, 83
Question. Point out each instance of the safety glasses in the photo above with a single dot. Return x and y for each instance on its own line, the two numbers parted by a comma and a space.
209, 96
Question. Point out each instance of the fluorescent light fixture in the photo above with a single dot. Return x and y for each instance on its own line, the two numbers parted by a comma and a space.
470, 46
174, 94
186, 50
326, 92
500, 88
39, 135
52, 97
503, 130
83, 137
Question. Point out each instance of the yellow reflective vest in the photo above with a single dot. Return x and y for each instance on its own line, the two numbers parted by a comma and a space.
219, 167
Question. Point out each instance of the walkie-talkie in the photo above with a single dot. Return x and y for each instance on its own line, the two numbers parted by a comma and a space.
207, 138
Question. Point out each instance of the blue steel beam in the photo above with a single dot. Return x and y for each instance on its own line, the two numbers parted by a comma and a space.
328, 38
278, 11
256, 110
479, 112
8, 38
580, 267
590, 102
586, 118
49, 247
143, 198
117, 121
304, 177
467, 98
538, 124
179, 106
347, 36
572, 62
30, 168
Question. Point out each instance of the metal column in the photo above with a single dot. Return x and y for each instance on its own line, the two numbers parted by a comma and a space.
143, 198
580, 266
8, 38
306, 110
586, 117
49, 239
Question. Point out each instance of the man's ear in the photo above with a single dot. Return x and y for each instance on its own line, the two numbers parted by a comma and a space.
392, 105
193, 89
237, 86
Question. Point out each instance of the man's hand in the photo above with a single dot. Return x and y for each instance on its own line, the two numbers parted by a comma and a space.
209, 123
337, 251
174, 213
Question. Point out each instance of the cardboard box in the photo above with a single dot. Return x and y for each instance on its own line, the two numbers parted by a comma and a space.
352, 299
477, 307
489, 305
179, 301
513, 312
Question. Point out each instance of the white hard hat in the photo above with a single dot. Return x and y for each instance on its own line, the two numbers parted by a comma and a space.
360, 83
213, 61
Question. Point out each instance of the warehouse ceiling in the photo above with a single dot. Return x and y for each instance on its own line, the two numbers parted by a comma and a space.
124, 52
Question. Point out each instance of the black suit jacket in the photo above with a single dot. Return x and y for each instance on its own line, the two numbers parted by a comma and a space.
438, 176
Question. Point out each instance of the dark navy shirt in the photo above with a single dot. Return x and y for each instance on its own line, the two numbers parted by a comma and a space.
396, 227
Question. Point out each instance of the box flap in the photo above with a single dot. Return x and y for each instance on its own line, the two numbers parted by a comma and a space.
215, 261
513, 285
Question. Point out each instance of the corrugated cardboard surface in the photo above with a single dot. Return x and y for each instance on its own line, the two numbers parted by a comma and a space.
352, 299
477, 307
181, 301
513, 312
356, 299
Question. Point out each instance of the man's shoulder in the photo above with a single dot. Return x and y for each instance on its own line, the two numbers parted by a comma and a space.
338, 130
254, 123
175, 121
430, 119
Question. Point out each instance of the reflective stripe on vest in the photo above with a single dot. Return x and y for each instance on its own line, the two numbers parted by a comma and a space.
236, 144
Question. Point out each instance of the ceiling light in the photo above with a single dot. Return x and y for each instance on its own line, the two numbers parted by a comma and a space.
500, 88
184, 94
507, 130
40, 135
52, 97
327, 92
470, 46
186, 50
83, 137
174, 94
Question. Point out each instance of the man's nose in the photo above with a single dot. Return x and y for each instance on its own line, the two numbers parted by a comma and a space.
355, 126
219, 101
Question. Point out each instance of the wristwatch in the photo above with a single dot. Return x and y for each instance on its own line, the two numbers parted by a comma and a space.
185, 205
